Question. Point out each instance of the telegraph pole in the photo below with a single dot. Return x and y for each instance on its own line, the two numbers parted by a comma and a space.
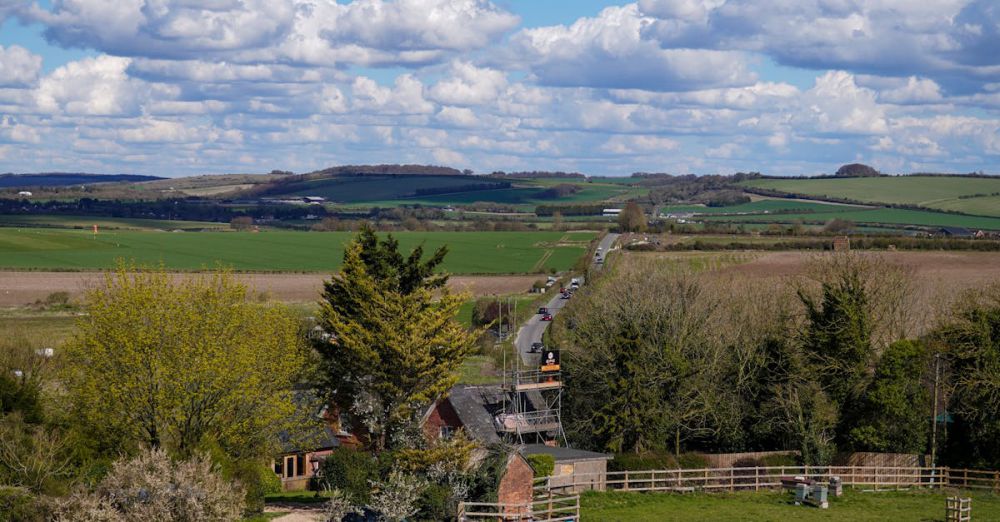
937, 374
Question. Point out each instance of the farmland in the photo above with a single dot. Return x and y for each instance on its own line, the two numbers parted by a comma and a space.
87, 222
470, 252
887, 216
860, 506
937, 192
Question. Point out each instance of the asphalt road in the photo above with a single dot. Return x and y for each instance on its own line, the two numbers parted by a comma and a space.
534, 328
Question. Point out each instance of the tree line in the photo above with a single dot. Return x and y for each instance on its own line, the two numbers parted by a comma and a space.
825, 364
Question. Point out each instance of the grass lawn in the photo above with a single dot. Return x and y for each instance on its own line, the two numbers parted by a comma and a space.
41, 328
919, 505
760, 207
272, 250
301, 497
927, 191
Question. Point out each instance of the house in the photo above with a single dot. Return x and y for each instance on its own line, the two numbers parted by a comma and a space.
576, 470
24, 193
301, 456
612, 212
471, 408
955, 232
313, 199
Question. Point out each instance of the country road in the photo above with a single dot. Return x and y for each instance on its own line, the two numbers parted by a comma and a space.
534, 328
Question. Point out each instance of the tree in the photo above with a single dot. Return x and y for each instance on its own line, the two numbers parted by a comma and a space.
178, 364
241, 223
894, 410
632, 218
393, 346
971, 344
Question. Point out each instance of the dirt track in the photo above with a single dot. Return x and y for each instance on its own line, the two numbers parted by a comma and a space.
19, 288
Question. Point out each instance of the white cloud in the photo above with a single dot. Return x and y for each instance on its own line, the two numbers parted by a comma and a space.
406, 97
837, 105
18, 66
915, 90
469, 85
610, 51
95, 86
627, 144
458, 116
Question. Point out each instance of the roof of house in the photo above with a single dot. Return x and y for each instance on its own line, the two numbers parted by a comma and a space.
564, 454
471, 404
956, 231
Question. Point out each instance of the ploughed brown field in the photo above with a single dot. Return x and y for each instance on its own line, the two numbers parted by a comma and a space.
20, 288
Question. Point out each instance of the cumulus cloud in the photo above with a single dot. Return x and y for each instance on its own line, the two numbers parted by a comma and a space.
469, 85
405, 97
18, 66
948, 40
95, 86
610, 51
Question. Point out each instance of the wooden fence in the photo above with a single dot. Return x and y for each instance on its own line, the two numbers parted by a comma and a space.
551, 507
762, 478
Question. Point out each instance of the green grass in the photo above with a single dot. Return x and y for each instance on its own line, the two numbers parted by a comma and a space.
929, 191
478, 369
885, 216
469, 252
302, 497
87, 222
264, 517
38, 327
350, 189
760, 207
773, 506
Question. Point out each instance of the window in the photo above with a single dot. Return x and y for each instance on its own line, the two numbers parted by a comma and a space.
343, 424
290, 470
279, 469
446, 432
300, 464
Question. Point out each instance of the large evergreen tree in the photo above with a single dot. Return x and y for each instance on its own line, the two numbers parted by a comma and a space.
394, 345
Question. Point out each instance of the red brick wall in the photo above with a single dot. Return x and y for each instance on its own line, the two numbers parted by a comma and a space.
443, 414
515, 486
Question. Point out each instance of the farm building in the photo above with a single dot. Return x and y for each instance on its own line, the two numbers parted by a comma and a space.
586, 469
956, 232
612, 212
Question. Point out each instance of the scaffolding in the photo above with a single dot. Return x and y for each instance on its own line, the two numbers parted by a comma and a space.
532, 413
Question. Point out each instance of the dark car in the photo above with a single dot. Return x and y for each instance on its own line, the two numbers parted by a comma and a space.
536, 347
566, 295
547, 317
543, 310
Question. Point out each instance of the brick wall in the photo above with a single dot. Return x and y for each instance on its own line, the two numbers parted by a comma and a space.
515, 485
443, 414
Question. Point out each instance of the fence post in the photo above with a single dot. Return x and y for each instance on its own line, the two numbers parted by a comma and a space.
756, 479
965, 478
996, 481
461, 512
549, 514
625, 486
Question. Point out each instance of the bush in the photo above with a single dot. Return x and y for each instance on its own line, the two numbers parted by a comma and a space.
435, 504
543, 465
692, 461
19, 505
642, 461
779, 460
152, 487
349, 471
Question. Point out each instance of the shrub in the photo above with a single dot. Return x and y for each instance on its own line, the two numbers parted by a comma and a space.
151, 487
543, 465
692, 461
350, 471
642, 461
435, 504
19, 505
396, 497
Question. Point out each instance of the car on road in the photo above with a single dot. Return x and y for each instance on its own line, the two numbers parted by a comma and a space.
536, 347
565, 295
547, 317
543, 310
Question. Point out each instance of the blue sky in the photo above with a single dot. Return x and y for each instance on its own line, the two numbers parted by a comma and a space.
785, 87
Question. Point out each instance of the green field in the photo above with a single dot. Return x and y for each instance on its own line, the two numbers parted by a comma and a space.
941, 192
87, 222
886, 216
469, 252
773, 507
350, 189
761, 207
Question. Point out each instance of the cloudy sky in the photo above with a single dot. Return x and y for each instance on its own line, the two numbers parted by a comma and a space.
176, 87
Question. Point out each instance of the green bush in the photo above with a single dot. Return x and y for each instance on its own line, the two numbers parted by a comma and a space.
642, 461
779, 460
18, 505
543, 465
692, 461
258, 479
435, 504
349, 471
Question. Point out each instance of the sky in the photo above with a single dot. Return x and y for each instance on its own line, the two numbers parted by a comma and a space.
782, 87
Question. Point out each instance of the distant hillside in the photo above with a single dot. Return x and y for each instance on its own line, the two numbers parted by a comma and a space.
63, 179
361, 170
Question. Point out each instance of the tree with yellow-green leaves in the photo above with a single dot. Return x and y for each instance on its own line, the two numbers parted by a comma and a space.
394, 345
183, 364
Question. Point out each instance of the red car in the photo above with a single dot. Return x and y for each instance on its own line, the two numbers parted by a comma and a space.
547, 317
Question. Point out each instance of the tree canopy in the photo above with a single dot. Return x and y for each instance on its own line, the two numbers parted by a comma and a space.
181, 363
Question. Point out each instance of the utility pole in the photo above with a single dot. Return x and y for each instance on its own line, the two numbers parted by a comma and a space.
937, 374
